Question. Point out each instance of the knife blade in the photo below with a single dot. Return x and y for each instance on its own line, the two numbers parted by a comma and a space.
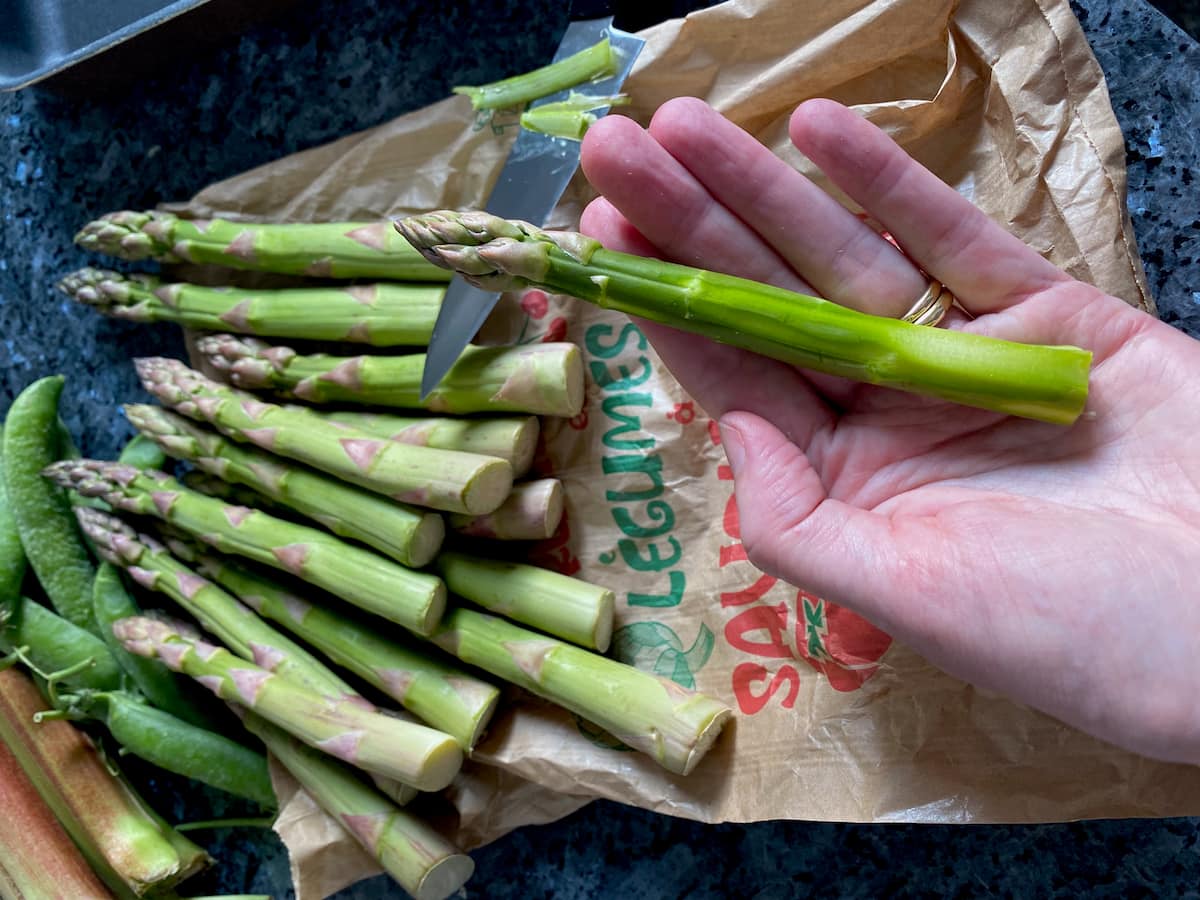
533, 179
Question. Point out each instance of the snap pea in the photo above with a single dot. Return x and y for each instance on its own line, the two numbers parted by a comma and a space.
162, 687
12, 557
49, 534
52, 644
178, 746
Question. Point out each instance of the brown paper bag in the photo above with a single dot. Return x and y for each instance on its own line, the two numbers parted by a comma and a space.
834, 721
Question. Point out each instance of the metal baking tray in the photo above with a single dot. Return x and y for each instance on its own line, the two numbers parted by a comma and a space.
41, 37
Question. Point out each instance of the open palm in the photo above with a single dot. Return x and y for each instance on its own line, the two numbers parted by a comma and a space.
1058, 565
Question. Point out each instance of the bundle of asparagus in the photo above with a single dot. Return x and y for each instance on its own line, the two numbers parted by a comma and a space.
328, 506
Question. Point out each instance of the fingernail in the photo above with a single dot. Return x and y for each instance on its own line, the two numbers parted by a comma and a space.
731, 441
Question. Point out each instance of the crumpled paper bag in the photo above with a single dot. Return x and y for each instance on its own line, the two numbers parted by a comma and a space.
834, 721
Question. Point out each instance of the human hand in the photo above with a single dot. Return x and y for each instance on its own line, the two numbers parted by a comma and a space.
1060, 566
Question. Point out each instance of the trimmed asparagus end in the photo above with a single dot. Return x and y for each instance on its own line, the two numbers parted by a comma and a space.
445, 877
597, 61
532, 512
570, 118
489, 487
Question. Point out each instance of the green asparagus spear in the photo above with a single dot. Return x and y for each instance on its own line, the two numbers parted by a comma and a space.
1048, 383
420, 859
565, 607
532, 512
412, 599
414, 754
441, 695
440, 479
326, 250
671, 724
220, 614
383, 314
408, 534
158, 684
596, 61
509, 437
544, 379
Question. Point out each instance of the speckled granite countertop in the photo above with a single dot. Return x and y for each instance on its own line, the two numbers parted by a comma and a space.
138, 127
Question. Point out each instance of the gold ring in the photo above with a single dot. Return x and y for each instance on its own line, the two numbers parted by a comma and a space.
931, 307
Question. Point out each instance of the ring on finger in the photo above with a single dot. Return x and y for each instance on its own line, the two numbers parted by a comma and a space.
931, 307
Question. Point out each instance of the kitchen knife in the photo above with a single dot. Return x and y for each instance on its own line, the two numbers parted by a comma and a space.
533, 179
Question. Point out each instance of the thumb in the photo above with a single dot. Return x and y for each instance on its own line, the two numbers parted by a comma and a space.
792, 528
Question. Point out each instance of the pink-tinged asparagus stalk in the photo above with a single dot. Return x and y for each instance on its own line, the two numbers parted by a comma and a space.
412, 599
126, 845
543, 379
674, 726
322, 250
441, 479
411, 535
423, 862
37, 857
532, 512
509, 437
422, 757
443, 696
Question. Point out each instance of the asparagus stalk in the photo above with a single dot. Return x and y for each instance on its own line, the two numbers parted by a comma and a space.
420, 859
565, 607
410, 535
441, 479
568, 118
382, 314
509, 437
420, 756
671, 724
412, 599
37, 856
532, 512
1040, 382
544, 379
125, 844
219, 613
325, 250
443, 696
596, 61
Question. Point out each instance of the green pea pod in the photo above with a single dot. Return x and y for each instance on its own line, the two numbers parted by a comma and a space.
160, 686
47, 527
53, 644
177, 746
143, 453
12, 557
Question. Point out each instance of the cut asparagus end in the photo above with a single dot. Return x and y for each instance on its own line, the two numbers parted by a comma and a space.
597, 61
445, 877
532, 512
489, 487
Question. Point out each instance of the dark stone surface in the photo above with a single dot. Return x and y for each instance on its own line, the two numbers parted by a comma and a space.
231, 87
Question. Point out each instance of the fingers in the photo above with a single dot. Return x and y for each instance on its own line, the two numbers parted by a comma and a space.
987, 268
842, 257
672, 209
718, 376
